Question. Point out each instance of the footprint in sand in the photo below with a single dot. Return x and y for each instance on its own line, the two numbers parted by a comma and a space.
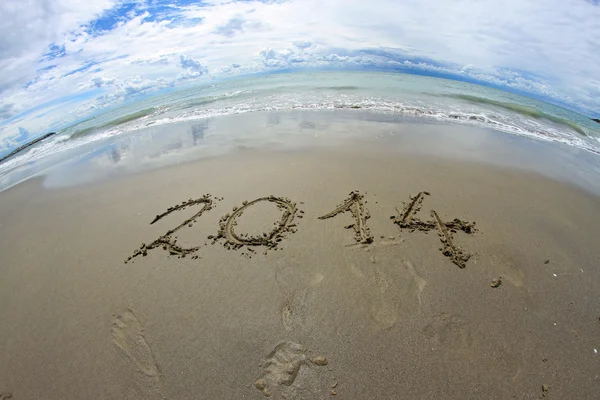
514, 275
505, 263
316, 279
295, 283
450, 331
355, 270
419, 282
394, 289
387, 301
6, 396
293, 313
290, 374
128, 337
463, 348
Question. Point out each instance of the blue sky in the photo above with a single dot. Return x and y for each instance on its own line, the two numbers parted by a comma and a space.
65, 59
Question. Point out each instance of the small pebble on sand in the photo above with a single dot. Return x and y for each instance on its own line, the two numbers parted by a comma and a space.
260, 384
496, 282
320, 361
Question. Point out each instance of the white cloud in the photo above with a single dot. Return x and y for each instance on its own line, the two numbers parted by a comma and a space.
238, 24
99, 81
548, 48
192, 66
28, 27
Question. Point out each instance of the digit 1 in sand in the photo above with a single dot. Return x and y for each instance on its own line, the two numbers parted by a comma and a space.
354, 204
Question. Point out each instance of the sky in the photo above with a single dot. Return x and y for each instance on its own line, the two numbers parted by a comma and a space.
61, 60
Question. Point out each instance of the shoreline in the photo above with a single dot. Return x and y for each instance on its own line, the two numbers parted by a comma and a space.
309, 128
161, 146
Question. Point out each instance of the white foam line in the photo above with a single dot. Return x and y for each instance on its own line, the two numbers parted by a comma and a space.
283, 103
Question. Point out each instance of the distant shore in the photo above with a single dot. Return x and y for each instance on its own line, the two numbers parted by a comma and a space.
26, 145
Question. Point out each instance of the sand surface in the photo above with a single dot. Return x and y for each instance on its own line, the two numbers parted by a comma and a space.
356, 306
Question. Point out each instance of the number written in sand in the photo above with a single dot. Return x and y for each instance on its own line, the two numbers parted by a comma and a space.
234, 240
168, 241
406, 219
354, 204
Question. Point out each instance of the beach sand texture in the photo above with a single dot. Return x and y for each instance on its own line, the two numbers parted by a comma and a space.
358, 274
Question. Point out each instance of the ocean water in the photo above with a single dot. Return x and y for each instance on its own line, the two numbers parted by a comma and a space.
424, 98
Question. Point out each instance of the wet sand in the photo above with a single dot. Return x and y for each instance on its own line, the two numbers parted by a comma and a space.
366, 303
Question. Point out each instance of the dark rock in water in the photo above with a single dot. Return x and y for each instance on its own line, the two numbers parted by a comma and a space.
26, 145
596, 120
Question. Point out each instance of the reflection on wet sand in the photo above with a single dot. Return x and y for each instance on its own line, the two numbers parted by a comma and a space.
198, 132
161, 145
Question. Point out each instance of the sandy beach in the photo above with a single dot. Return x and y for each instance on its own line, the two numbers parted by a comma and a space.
434, 278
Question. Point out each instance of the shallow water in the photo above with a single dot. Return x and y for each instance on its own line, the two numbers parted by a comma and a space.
385, 94
160, 146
